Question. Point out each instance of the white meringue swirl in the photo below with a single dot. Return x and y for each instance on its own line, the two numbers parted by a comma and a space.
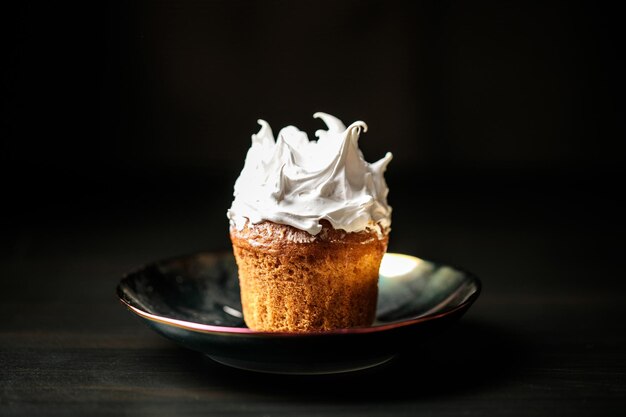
299, 182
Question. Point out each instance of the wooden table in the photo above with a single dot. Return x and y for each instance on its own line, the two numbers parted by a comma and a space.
546, 337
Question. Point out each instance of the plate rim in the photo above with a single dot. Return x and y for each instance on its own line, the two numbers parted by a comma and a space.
245, 331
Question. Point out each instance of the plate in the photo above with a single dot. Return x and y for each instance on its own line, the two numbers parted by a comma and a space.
194, 301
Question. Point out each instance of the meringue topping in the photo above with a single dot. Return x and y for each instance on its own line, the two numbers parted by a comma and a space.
299, 182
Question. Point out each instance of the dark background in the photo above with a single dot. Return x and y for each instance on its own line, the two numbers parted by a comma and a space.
114, 96
125, 125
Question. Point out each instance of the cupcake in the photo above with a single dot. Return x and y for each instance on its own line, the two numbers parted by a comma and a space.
309, 225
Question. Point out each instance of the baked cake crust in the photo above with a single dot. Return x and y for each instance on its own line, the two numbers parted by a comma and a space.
293, 281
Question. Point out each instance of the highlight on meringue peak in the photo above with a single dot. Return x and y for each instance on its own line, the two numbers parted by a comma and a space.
299, 182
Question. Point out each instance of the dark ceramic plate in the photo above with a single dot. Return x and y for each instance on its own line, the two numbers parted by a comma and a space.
194, 301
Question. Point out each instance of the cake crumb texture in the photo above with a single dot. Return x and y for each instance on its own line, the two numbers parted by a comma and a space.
298, 287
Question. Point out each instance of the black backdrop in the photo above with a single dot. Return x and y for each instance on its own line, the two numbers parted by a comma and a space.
106, 104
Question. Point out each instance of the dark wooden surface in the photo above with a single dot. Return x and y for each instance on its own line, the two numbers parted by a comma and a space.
546, 337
